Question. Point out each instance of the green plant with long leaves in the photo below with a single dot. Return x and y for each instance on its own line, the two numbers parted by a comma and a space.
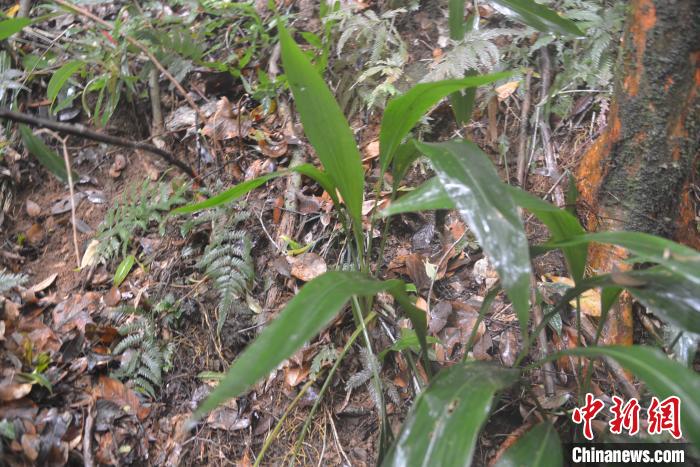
443, 425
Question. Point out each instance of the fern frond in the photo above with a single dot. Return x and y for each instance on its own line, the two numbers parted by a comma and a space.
227, 261
10, 280
134, 212
130, 341
143, 356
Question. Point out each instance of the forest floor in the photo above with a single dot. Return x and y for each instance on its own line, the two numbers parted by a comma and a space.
78, 412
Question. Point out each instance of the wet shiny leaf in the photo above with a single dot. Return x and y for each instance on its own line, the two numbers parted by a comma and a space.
446, 418
471, 181
304, 316
539, 446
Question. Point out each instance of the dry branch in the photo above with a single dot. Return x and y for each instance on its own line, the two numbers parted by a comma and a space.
84, 132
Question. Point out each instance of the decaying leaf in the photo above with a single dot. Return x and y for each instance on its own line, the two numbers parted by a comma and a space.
588, 300
11, 390
307, 266
45, 283
115, 391
225, 124
91, 256
504, 91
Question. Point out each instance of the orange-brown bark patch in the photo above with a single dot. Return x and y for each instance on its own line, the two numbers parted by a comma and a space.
619, 326
668, 83
643, 19
594, 167
687, 224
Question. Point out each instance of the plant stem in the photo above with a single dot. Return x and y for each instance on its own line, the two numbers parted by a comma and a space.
271, 437
376, 381
326, 384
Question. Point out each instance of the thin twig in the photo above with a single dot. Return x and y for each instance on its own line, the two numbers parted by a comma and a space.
337, 440
71, 191
538, 317
88, 460
278, 427
549, 156
156, 110
83, 132
522, 138
66, 160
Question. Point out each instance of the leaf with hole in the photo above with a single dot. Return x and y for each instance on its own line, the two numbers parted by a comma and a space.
444, 422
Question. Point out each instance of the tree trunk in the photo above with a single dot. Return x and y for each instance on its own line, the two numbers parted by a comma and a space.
639, 173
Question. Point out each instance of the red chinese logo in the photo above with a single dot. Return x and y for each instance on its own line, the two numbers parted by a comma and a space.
587, 413
661, 416
624, 416
665, 416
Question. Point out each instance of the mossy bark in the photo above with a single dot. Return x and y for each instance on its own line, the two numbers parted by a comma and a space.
638, 174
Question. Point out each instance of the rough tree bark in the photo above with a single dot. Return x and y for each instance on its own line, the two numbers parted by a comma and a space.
639, 173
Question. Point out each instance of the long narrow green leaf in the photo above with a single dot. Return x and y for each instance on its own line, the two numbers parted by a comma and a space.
417, 318
647, 248
668, 294
60, 76
12, 26
539, 447
663, 376
676, 257
243, 188
462, 103
123, 270
44, 154
445, 420
537, 16
324, 125
456, 19
319, 177
429, 195
471, 181
230, 194
404, 156
403, 112
561, 224
305, 315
